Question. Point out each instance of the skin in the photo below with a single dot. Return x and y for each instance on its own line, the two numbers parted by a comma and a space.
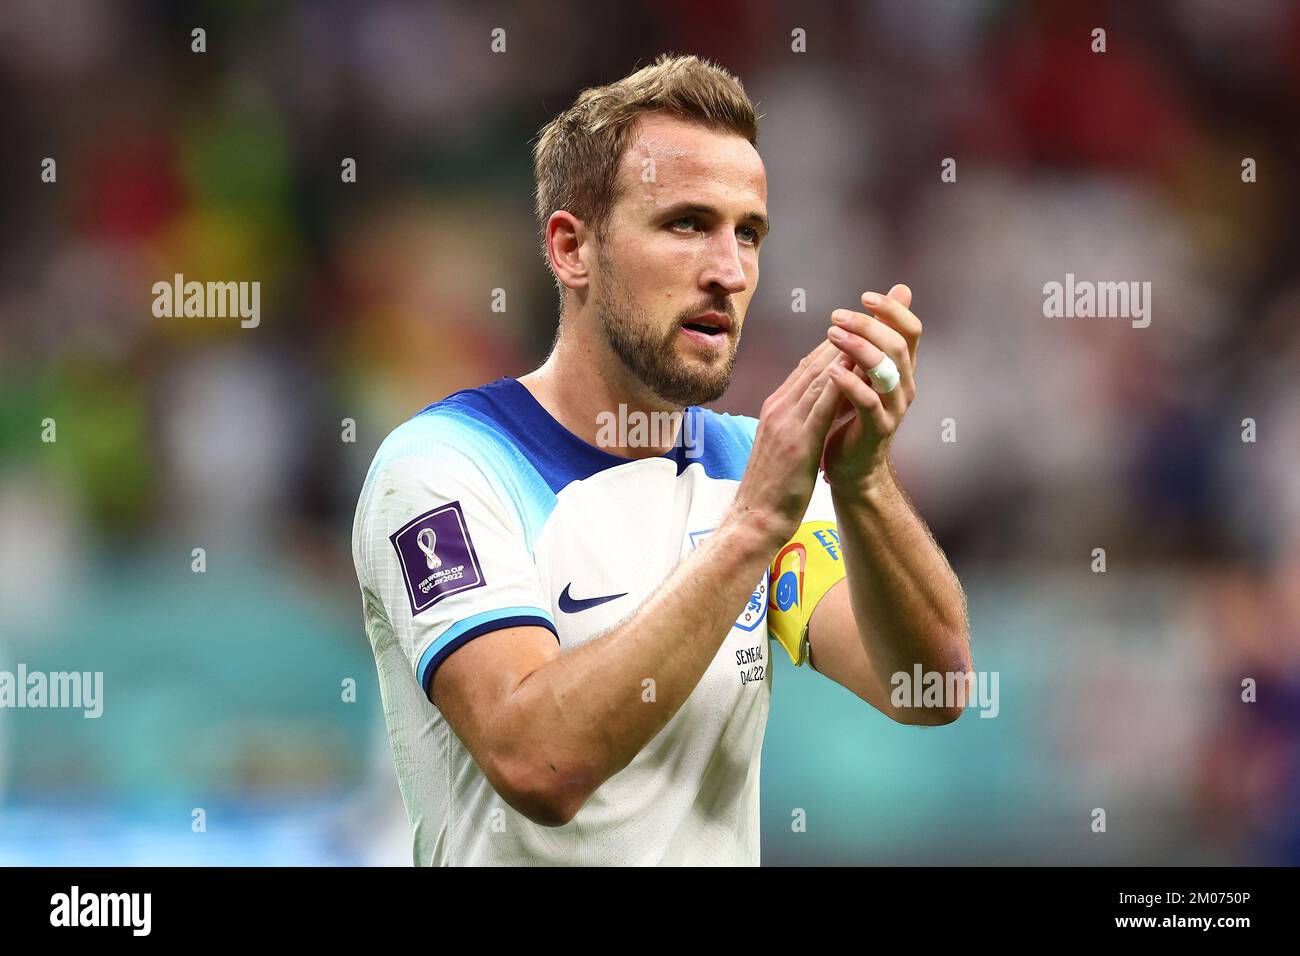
548, 728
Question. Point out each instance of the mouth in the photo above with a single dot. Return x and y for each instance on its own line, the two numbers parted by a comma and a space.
709, 323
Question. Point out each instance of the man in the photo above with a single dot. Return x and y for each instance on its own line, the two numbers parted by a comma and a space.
571, 623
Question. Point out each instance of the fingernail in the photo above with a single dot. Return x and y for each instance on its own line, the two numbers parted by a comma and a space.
838, 334
840, 317
871, 298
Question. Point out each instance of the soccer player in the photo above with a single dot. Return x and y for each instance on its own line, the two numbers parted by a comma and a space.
570, 619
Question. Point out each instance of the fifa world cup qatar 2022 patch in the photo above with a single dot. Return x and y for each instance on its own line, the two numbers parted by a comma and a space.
437, 556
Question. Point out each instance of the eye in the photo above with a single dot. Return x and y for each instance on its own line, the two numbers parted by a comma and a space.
753, 234
689, 220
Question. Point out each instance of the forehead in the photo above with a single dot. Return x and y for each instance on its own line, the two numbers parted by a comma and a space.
690, 162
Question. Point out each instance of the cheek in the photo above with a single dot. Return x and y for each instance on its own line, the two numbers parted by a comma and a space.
658, 254
751, 277
743, 300
670, 269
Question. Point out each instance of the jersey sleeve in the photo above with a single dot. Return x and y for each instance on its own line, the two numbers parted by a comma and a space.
443, 555
802, 572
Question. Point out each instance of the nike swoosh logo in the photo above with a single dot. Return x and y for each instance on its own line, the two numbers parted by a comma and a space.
571, 605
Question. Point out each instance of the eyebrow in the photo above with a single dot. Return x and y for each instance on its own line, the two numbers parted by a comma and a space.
677, 210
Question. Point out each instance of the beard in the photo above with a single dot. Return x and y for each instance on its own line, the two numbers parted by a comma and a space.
651, 356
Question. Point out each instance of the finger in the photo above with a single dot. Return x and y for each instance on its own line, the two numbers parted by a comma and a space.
844, 409
794, 373
896, 314
902, 293
870, 348
849, 337
800, 375
817, 385
875, 330
864, 398
822, 414
819, 358
861, 373
885, 382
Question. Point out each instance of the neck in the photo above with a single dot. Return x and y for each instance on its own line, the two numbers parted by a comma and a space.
585, 387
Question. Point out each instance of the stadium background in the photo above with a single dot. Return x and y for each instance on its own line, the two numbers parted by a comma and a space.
222, 690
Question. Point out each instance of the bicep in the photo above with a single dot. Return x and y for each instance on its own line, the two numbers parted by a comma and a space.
474, 686
476, 691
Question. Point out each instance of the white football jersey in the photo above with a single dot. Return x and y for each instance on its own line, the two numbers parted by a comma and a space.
483, 512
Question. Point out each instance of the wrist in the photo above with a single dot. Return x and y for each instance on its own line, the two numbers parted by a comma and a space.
871, 489
754, 533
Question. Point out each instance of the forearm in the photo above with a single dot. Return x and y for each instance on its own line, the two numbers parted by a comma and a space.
906, 599
592, 709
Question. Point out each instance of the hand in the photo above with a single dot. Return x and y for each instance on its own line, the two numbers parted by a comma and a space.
856, 450
792, 427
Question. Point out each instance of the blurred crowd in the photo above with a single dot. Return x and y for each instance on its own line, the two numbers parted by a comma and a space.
1071, 434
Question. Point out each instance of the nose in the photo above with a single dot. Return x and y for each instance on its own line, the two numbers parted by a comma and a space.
723, 269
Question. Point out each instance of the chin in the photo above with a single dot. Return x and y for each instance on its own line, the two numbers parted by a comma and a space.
706, 389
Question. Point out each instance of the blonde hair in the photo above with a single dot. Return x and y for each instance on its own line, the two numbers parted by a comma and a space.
576, 156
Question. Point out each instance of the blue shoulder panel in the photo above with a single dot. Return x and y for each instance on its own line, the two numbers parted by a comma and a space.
531, 457
727, 441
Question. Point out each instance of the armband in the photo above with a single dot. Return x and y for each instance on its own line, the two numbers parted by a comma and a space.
803, 571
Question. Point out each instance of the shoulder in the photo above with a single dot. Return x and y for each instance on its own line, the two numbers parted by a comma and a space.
459, 448
731, 427
722, 442
464, 425
468, 435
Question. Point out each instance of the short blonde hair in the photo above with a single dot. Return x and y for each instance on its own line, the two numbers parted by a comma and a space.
577, 154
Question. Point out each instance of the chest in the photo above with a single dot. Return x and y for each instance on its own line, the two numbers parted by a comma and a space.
609, 544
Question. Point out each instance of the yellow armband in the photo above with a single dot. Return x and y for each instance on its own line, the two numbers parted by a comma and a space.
802, 573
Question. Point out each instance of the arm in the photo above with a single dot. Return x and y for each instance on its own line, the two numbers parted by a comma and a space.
900, 604
548, 727
899, 585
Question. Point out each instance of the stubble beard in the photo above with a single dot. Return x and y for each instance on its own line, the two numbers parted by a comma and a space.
651, 357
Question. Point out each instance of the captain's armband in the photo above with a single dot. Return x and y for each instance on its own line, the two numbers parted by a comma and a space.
803, 571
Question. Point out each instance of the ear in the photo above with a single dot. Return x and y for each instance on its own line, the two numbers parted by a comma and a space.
566, 236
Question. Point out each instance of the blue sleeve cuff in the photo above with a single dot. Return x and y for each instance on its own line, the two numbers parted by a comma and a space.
462, 632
